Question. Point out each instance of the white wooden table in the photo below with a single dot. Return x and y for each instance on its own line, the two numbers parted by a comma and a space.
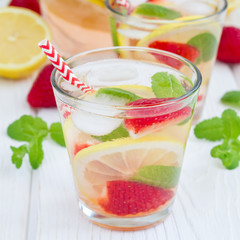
42, 204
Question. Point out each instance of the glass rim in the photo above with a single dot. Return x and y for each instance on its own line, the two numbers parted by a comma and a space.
162, 21
197, 75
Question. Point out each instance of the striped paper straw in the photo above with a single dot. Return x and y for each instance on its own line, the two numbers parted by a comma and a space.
124, 3
61, 66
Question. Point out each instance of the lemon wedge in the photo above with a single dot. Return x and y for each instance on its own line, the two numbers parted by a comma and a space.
120, 159
21, 31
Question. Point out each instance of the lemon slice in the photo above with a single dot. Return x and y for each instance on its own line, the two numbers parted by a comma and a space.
168, 30
120, 160
232, 5
21, 31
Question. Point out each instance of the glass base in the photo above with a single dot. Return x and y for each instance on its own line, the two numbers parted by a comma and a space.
124, 223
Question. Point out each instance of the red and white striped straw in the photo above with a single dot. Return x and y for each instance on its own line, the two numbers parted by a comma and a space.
124, 3
61, 66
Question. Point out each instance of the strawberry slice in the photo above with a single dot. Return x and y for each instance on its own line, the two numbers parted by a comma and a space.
126, 197
182, 49
153, 116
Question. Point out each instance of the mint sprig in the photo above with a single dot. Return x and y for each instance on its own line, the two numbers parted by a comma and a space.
226, 128
32, 130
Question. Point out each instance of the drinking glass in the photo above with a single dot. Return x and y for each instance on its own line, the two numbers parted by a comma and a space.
190, 28
77, 25
126, 139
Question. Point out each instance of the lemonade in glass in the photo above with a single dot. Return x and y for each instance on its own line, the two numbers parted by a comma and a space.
77, 25
126, 139
190, 28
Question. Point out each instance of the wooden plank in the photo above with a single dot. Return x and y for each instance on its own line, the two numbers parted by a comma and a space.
15, 185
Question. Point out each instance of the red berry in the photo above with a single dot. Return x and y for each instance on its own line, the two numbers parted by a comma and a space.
30, 4
182, 49
79, 147
41, 94
126, 197
229, 47
154, 115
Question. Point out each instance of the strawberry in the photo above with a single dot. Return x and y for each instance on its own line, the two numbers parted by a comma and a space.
182, 49
30, 4
79, 147
229, 47
41, 93
128, 197
154, 115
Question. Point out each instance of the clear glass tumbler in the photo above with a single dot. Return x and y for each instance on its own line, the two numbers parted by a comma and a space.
190, 28
126, 139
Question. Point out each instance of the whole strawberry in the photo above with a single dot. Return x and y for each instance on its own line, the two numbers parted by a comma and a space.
229, 47
41, 95
30, 4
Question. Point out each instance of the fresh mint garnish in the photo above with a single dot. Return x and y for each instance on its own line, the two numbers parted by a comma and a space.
32, 130
206, 43
226, 128
158, 175
117, 93
165, 85
153, 10
231, 98
119, 132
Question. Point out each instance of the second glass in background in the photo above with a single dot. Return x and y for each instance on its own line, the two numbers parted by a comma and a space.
190, 28
77, 25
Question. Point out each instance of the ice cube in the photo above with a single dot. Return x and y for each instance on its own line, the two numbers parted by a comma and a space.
115, 73
196, 8
94, 124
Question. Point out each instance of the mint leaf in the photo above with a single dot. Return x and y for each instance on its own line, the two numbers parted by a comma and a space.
56, 133
18, 154
165, 85
206, 43
211, 129
153, 10
231, 98
231, 123
119, 132
117, 93
228, 152
27, 127
32, 130
35, 152
158, 175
